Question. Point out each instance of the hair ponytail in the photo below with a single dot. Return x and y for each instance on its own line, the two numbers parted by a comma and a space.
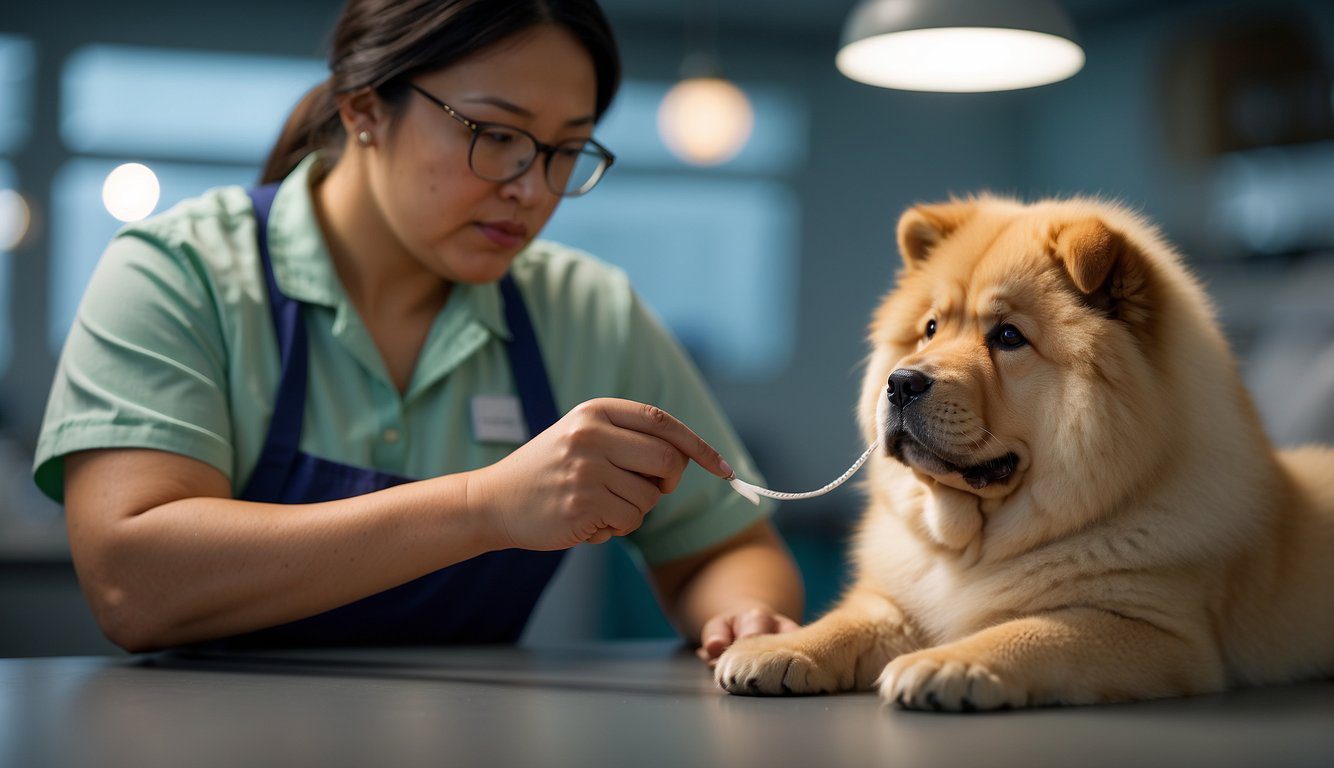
313, 124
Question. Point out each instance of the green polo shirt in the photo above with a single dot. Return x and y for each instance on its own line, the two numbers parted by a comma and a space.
173, 348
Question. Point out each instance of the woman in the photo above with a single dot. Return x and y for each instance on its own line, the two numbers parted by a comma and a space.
297, 415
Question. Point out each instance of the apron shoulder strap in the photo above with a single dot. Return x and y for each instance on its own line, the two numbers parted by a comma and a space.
284, 436
530, 374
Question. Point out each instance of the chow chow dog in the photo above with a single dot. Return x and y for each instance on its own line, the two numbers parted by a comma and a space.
1073, 501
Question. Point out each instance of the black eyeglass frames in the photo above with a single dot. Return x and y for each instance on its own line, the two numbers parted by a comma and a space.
500, 152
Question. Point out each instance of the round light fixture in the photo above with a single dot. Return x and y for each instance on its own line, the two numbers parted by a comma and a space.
130, 192
705, 120
958, 45
14, 219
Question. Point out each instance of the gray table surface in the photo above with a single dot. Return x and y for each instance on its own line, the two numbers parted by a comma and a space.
636, 704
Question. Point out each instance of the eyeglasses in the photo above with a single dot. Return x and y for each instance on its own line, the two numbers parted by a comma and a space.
500, 152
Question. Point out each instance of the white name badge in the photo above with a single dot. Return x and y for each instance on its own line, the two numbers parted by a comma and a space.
498, 419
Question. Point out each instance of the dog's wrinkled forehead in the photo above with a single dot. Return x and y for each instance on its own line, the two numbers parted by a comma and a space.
993, 267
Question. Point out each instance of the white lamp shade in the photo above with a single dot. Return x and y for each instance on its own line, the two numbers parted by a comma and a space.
958, 45
705, 120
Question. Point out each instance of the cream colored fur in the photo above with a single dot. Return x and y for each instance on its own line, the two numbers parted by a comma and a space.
1150, 542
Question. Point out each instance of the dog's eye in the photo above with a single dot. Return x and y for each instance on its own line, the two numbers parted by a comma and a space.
930, 328
1009, 337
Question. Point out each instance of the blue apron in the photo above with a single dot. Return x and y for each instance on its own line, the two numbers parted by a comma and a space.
483, 600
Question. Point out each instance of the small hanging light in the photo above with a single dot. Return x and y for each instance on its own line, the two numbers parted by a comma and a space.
14, 219
131, 191
704, 119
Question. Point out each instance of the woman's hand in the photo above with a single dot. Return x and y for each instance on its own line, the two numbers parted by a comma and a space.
726, 628
592, 475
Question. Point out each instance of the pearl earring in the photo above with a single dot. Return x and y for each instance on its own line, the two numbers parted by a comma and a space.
364, 138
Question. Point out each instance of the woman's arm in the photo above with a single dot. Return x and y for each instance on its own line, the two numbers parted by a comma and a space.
747, 585
166, 557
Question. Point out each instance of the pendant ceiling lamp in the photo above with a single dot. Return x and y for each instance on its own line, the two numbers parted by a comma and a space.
704, 119
958, 45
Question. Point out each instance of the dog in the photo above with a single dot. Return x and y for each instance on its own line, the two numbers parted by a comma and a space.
1074, 501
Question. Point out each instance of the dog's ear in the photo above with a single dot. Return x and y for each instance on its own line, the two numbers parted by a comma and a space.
1104, 266
922, 227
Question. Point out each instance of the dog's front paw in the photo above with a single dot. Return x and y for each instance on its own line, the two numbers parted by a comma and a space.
769, 665
938, 680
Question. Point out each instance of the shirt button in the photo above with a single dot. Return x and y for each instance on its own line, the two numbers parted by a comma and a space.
390, 435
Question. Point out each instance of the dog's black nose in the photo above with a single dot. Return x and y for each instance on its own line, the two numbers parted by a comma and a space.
906, 385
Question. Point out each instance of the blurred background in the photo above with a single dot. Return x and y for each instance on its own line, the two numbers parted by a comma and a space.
765, 247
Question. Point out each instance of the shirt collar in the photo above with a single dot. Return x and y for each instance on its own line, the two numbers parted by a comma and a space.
305, 272
301, 262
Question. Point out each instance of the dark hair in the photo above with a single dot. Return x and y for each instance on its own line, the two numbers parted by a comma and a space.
383, 43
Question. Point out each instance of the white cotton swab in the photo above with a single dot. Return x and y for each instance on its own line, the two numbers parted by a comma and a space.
754, 492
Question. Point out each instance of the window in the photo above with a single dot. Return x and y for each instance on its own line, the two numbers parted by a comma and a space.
715, 258
213, 107
1276, 199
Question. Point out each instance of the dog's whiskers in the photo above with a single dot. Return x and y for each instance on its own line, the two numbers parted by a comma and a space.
997, 440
